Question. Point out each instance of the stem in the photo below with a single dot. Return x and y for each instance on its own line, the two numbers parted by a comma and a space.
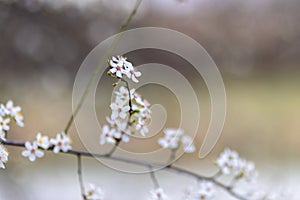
114, 148
102, 61
80, 179
170, 168
172, 155
153, 177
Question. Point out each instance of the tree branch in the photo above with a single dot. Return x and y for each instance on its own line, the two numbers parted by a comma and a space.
170, 168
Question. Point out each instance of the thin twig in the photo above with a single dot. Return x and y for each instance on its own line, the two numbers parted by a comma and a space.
171, 168
153, 177
101, 63
80, 179
172, 156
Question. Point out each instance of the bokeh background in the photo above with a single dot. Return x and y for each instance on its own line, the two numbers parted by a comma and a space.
255, 44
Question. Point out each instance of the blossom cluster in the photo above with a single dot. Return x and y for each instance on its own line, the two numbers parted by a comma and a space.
173, 138
205, 190
35, 149
8, 113
119, 66
130, 113
230, 163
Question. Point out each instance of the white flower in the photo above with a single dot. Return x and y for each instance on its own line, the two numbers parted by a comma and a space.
3, 136
2, 111
117, 66
187, 143
123, 93
227, 160
158, 194
4, 126
133, 75
107, 135
14, 112
3, 156
137, 98
122, 132
32, 151
142, 127
171, 138
242, 169
230, 163
143, 108
206, 191
61, 143
120, 66
42, 141
94, 193
123, 136
114, 123
119, 109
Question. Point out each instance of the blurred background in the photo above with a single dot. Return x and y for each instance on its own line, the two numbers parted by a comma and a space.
255, 45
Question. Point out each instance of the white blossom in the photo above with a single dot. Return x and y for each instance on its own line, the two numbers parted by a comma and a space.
42, 141
4, 126
117, 66
133, 75
94, 193
142, 127
123, 93
226, 161
243, 169
3, 156
32, 151
61, 143
2, 111
107, 135
158, 194
230, 163
130, 71
14, 112
122, 132
119, 109
137, 98
121, 66
117, 124
171, 138
187, 143
205, 191
123, 136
